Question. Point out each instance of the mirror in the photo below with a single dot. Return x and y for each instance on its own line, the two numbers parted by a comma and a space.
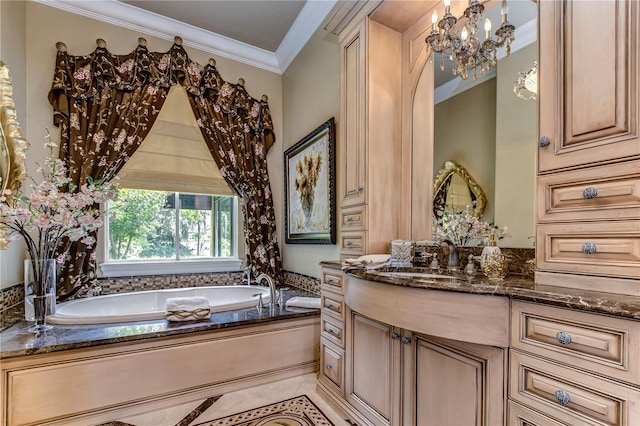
454, 189
484, 126
13, 146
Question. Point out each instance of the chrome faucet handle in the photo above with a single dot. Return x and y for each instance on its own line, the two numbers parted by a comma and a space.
260, 304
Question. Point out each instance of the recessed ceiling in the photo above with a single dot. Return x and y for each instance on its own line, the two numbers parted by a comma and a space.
262, 24
267, 34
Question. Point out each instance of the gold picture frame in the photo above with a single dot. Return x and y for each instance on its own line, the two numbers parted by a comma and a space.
13, 145
452, 172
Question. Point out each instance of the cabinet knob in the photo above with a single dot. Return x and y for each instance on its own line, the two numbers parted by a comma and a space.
360, 188
590, 192
406, 340
394, 336
563, 338
349, 219
348, 243
563, 397
589, 248
329, 367
544, 141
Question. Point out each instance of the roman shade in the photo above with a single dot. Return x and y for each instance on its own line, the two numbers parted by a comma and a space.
174, 155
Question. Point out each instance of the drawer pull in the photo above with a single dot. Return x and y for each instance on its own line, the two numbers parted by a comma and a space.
394, 336
348, 243
350, 218
544, 141
406, 340
563, 397
590, 192
333, 307
589, 248
563, 338
329, 367
332, 332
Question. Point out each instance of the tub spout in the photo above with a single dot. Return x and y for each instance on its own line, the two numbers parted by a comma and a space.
453, 255
246, 274
272, 287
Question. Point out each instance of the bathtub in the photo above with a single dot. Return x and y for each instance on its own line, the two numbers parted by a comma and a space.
149, 305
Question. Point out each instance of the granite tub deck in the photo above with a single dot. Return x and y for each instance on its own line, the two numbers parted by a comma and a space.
520, 287
16, 341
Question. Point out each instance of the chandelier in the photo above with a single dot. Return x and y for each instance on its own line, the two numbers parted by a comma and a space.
526, 86
466, 51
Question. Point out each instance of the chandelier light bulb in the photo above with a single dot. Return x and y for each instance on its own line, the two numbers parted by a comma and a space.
464, 34
447, 4
434, 20
504, 9
487, 28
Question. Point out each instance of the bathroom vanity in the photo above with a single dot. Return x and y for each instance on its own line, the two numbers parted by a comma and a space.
434, 351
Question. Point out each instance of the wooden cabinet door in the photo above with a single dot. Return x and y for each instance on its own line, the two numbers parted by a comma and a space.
351, 144
372, 368
588, 83
458, 383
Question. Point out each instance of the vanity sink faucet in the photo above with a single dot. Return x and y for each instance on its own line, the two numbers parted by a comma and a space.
453, 255
272, 287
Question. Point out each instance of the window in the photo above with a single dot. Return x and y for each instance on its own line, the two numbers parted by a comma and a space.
148, 227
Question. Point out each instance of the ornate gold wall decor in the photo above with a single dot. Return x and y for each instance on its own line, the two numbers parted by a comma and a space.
13, 145
443, 192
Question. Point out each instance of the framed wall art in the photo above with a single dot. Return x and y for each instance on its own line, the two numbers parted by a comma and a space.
310, 186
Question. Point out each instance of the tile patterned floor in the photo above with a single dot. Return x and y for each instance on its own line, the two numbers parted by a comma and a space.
197, 412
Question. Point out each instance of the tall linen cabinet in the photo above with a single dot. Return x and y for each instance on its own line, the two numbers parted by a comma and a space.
369, 142
588, 218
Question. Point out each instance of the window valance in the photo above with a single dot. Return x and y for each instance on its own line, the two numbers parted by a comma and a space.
83, 77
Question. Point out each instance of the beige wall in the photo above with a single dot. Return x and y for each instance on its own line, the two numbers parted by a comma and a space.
311, 95
12, 53
45, 26
465, 131
516, 145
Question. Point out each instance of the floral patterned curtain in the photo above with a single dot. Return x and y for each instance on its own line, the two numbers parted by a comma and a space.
105, 105
238, 131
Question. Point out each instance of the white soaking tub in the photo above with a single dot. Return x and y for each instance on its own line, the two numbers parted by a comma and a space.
148, 305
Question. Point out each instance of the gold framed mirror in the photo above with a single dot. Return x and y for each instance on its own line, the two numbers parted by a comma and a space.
454, 189
13, 145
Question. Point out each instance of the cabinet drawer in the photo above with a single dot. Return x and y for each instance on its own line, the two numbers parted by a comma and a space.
599, 248
520, 415
594, 342
332, 281
599, 193
331, 365
565, 393
354, 218
353, 243
333, 305
332, 330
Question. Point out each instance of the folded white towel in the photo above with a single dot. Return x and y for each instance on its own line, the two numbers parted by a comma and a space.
187, 308
368, 262
368, 259
303, 302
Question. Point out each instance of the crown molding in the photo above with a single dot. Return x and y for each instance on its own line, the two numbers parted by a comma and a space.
133, 18
308, 21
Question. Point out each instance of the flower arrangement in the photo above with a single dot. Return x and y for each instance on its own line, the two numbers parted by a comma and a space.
307, 174
54, 210
463, 228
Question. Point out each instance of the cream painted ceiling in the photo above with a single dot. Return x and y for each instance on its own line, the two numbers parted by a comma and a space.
260, 23
267, 34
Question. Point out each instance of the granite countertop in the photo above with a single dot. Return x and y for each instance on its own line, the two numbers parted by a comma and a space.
16, 341
513, 286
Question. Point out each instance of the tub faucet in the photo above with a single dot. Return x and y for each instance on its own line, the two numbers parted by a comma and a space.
272, 287
246, 274
453, 255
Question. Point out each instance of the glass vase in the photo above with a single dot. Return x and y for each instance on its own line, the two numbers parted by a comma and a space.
39, 292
